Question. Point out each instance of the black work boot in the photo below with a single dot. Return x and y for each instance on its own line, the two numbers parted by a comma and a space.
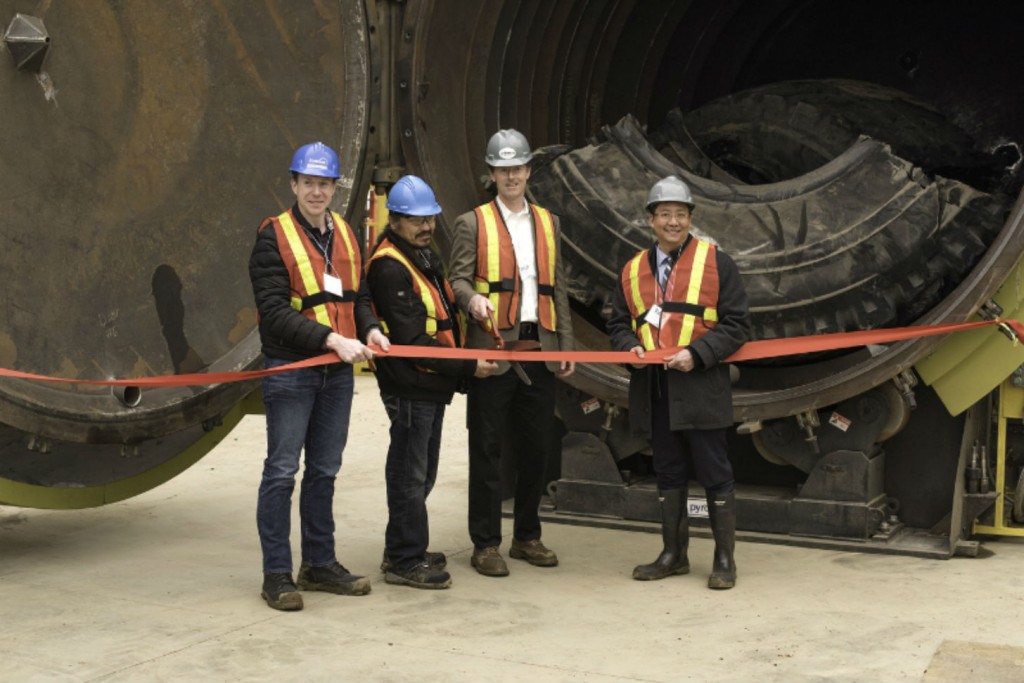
279, 592
722, 515
333, 578
675, 534
435, 560
421, 575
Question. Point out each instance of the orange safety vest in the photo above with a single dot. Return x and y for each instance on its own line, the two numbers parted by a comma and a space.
438, 324
691, 295
306, 266
497, 274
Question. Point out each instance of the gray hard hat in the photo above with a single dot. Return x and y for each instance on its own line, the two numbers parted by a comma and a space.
508, 148
670, 189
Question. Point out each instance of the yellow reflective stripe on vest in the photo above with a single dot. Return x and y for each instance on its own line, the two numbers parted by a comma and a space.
421, 284
339, 227
693, 292
305, 268
493, 273
646, 337
548, 228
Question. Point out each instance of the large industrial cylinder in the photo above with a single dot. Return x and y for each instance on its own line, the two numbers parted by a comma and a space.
142, 145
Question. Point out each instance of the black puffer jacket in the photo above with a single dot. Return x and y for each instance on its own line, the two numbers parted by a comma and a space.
284, 332
397, 304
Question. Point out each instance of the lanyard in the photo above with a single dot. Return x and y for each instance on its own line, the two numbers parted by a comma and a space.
325, 250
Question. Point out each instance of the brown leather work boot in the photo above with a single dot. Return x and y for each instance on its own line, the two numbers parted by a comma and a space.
489, 562
534, 552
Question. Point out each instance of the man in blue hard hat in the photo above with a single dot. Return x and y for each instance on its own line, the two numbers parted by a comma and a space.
305, 269
416, 307
506, 270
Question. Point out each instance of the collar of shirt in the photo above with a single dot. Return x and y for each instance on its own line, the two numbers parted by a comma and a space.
677, 252
662, 257
508, 213
310, 230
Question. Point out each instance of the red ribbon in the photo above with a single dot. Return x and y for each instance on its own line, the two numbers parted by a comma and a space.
754, 350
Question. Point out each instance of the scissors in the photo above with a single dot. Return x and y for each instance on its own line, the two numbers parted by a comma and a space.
519, 345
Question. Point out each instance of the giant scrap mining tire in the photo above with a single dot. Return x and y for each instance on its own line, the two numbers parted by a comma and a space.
865, 241
140, 153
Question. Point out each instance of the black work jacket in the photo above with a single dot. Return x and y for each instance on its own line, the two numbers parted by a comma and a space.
397, 303
284, 332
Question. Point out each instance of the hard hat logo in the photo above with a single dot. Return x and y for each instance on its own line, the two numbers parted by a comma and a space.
320, 163
507, 153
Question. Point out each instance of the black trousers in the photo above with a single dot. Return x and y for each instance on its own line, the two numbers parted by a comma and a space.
497, 408
701, 454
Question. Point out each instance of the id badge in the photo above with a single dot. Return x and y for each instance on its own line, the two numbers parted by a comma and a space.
653, 317
332, 284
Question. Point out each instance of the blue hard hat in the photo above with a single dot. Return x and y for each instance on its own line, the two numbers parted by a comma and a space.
316, 159
413, 197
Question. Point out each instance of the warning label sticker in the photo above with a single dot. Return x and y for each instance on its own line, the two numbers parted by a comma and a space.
839, 422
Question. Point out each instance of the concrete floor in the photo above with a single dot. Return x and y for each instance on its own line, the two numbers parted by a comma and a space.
165, 587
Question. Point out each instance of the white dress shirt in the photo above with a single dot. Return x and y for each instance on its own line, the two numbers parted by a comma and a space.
520, 228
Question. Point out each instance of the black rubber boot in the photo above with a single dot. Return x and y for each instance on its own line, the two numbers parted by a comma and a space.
722, 515
675, 534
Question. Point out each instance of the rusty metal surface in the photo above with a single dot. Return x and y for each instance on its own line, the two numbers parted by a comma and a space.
136, 166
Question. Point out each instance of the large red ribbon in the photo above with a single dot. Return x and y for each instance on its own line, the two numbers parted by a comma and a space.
754, 350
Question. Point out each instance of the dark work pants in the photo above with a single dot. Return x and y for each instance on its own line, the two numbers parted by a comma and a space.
410, 473
706, 459
496, 407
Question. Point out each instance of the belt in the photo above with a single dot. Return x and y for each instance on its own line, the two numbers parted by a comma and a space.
332, 368
529, 331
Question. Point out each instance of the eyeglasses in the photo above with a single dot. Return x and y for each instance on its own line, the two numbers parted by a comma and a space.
668, 215
419, 221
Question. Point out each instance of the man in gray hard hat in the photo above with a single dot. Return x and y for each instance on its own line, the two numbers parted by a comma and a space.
506, 271
683, 293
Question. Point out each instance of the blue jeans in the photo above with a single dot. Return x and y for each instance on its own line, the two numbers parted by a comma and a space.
306, 408
410, 474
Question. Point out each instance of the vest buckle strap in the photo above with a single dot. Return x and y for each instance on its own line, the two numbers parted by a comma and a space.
545, 290
683, 307
504, 285
326, 297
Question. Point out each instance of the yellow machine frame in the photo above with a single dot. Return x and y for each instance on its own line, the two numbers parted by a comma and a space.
1011, 407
